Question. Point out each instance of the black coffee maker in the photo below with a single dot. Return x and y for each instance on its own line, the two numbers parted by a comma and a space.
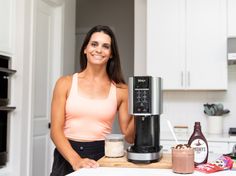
145, 103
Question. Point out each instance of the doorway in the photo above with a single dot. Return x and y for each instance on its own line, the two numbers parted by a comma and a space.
119, 16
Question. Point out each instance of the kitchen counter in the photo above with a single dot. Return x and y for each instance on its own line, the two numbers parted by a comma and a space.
118, 171
121, 167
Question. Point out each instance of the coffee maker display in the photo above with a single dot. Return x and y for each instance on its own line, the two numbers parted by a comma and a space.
145, 104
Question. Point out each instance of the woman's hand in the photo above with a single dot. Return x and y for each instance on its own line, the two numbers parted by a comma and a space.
84, 163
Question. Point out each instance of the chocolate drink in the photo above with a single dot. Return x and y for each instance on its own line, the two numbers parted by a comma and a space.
183, 159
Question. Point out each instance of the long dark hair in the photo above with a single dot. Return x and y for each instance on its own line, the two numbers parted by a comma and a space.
113, 66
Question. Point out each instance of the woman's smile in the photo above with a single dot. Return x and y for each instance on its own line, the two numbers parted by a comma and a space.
98, 48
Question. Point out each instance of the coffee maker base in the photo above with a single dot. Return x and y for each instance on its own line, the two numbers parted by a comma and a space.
145, 158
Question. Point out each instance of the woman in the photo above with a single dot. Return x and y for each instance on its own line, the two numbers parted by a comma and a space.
84, 105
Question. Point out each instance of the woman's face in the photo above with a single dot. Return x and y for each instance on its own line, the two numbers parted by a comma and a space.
98, 50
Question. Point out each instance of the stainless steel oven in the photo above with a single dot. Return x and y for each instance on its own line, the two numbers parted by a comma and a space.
5, 74
3, 137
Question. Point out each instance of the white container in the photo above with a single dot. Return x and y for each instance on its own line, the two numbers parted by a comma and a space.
114, 145
215, 124
181, 130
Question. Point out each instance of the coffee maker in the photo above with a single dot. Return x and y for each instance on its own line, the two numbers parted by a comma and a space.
145, 104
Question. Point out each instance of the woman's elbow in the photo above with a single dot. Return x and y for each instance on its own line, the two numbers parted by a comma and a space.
129, 139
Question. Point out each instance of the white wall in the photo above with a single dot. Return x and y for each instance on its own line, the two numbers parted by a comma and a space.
140, 37
19, 144
69, 37
183, 107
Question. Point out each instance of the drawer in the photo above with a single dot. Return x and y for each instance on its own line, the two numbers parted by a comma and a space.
218, 147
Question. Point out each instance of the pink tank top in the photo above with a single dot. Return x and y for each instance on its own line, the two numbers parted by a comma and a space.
89, 119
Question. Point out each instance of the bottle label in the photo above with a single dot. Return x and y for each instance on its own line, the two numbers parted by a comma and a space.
200, 150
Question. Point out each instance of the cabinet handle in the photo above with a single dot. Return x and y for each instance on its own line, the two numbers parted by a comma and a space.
188, 78
182, 78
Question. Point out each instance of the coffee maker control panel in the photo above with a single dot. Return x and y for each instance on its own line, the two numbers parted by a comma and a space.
145, 95
142, 95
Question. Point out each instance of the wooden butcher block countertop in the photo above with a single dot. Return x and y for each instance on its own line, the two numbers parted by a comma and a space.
164, 163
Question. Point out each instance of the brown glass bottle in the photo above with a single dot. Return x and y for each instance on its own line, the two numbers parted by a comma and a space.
199, 143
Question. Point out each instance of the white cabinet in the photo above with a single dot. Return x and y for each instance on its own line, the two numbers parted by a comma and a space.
186, 43
231, 18
231, 32
218, 147
6, 19
166, 41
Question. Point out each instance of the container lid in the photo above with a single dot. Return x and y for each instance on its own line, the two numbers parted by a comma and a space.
115, 137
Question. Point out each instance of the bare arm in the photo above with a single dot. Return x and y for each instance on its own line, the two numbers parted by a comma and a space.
126, 121
57, 126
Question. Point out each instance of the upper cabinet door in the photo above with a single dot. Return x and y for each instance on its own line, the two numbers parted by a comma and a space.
231, 18
165, 41
186, 43
206, 44
6, 19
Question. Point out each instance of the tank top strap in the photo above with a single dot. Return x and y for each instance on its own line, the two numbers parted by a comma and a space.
113, 90
74, 84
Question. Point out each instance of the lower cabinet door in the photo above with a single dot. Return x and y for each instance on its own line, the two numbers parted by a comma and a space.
218, 147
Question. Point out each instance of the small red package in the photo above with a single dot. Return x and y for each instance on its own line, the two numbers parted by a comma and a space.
208, 168
222, 163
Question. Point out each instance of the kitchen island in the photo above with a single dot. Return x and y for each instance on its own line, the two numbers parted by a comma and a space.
119, 171
121, 167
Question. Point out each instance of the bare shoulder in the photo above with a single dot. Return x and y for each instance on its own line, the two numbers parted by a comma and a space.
64, 80
64, 83
122, 91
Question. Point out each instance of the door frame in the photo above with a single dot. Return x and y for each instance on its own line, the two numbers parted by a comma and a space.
20, 159
27, 123
56, 66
